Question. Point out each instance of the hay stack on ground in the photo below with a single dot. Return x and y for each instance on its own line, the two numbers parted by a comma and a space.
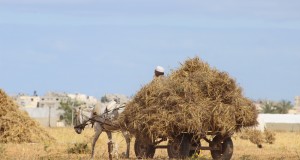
194, 98
258, 137
16, 126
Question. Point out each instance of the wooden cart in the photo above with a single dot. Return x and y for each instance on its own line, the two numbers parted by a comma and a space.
186, 145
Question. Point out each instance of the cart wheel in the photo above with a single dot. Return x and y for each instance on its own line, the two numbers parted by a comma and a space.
179, 147
225, 145
143, 149
195, 148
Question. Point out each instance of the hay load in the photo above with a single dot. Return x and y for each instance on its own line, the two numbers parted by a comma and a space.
194, 98
16, 126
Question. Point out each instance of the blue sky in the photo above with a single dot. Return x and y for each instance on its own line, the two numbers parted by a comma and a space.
97, 47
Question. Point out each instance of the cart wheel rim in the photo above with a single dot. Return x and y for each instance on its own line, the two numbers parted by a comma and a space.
226, 147
175, 148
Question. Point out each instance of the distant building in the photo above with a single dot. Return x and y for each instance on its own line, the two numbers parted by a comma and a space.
297, 104
297, 101
48, 117
44, 109
88, 100
296, 108
52, 99
279, 122
27, 101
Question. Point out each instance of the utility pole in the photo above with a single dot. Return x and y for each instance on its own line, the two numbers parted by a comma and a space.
73, 114
49, 119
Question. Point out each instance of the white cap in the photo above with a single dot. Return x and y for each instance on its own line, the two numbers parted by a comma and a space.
160, 69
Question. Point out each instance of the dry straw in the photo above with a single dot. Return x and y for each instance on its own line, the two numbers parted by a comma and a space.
16, 126
194, 98
258, 137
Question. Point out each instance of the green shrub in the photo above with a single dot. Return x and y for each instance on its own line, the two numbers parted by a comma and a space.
79, 148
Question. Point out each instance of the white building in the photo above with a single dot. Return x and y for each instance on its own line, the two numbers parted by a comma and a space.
297, 104
47, 117
45, 110
26, 101
89, 100
296, 108
279, 122
52, 100
297, 101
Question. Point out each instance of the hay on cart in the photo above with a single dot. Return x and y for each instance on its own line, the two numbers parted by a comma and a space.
194, 98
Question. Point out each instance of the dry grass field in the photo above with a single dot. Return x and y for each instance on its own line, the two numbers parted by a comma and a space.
286, 146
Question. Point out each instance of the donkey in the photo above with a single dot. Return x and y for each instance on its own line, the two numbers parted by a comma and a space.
101, 117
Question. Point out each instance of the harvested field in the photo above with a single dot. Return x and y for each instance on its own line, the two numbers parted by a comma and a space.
286, 147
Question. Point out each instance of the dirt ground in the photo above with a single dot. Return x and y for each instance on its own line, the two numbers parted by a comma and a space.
286, 146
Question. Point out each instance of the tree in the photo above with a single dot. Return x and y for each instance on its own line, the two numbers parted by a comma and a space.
67, 107
268, 107
283, 107
273, 107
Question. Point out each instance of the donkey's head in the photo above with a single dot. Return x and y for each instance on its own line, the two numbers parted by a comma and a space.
81, 116
77, 119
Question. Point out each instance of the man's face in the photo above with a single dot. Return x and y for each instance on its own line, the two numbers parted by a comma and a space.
157, 74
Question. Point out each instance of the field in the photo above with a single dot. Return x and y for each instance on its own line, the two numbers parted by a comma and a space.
286, 146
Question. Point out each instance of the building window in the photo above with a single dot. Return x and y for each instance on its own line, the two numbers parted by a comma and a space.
31, 99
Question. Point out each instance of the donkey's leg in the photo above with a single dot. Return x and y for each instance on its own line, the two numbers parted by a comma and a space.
127, 138
109, 136
110, 145
98, 131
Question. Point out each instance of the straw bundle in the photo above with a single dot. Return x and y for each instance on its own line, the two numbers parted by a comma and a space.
258, 137
16, 126
194, 98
